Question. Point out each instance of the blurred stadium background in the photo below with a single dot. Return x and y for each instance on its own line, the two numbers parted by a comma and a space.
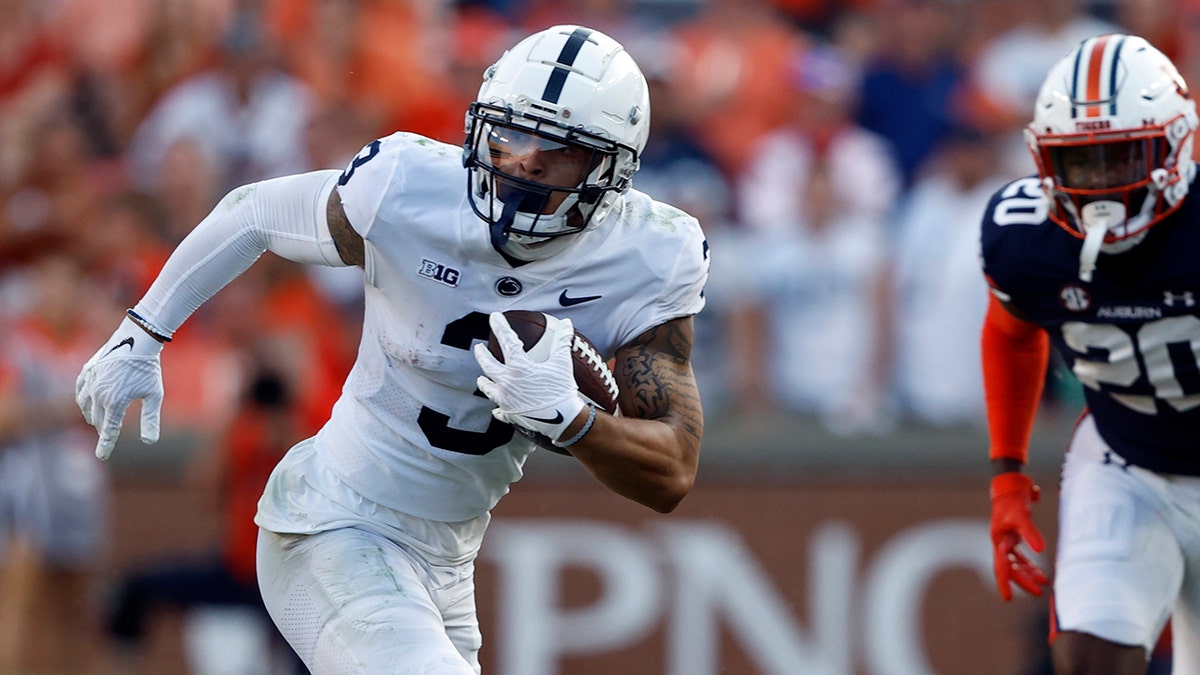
837, 153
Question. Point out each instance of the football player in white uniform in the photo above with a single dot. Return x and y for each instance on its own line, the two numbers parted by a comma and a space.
369, 529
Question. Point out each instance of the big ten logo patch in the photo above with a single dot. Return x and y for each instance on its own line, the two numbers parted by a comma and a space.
439, 272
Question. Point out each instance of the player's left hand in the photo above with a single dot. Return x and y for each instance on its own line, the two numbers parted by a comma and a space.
1013, 495
540, 396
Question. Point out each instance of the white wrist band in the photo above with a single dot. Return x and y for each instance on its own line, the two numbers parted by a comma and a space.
587, 426
147, 326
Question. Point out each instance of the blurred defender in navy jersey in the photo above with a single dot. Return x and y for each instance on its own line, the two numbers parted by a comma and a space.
1099, 255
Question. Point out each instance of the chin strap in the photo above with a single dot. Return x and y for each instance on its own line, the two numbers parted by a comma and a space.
499, 228
1091, 250
515, 200
1097, 218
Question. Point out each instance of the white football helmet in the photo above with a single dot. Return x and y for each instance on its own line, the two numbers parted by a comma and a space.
567, 96
1112, 137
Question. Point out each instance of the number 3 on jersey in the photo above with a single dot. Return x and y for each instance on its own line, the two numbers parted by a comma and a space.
363, 157
461, 333
1166, 351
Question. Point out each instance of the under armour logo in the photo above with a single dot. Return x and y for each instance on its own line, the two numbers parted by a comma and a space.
1187, 298
1116, 460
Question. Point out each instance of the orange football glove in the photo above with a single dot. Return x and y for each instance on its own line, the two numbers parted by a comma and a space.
1013, 494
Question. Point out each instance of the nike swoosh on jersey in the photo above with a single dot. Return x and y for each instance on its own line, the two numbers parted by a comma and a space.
566, 301
553, 420
122, 343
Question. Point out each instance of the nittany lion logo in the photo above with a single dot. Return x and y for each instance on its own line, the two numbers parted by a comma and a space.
509, 286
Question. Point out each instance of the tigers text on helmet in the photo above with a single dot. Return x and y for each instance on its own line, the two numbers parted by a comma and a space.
554, 138
1112, 136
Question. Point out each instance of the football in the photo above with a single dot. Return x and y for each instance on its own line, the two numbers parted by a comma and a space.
592, 374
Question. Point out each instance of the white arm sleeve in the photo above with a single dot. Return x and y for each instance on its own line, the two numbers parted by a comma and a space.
283, 215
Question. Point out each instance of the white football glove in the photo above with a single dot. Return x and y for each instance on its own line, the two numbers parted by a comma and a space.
538, 395
127, 367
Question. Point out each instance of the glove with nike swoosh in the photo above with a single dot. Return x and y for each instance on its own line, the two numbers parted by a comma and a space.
127, 367
538, 395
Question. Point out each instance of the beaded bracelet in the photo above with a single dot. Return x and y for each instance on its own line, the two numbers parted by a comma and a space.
145, 325
587, 426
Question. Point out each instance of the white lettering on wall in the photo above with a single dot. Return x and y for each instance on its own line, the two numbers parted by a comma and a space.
695, 577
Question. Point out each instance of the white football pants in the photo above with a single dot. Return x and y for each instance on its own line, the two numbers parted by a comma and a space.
1128, 551
349, 602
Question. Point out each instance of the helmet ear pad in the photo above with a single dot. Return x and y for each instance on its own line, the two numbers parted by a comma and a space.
1113, 98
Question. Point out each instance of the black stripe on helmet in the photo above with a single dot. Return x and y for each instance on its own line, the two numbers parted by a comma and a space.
566, 57
1075, 93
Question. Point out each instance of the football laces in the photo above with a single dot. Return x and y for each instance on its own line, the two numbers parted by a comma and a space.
598, 365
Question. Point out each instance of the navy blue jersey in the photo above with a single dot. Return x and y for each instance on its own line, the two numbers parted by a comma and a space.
1131, 335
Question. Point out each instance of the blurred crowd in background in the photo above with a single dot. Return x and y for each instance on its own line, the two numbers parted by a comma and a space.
838, 154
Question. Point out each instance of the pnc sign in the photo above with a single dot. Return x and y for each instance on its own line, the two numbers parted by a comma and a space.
687, 596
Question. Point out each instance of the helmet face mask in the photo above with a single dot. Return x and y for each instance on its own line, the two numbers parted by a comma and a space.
1112, 166
554, 137
1113, 124
550, 178
1092, 170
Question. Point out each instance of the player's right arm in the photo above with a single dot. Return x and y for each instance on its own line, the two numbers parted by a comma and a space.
298, 217
1015, 355
349, 243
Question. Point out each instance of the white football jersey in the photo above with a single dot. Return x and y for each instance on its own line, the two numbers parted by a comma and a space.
411, 432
